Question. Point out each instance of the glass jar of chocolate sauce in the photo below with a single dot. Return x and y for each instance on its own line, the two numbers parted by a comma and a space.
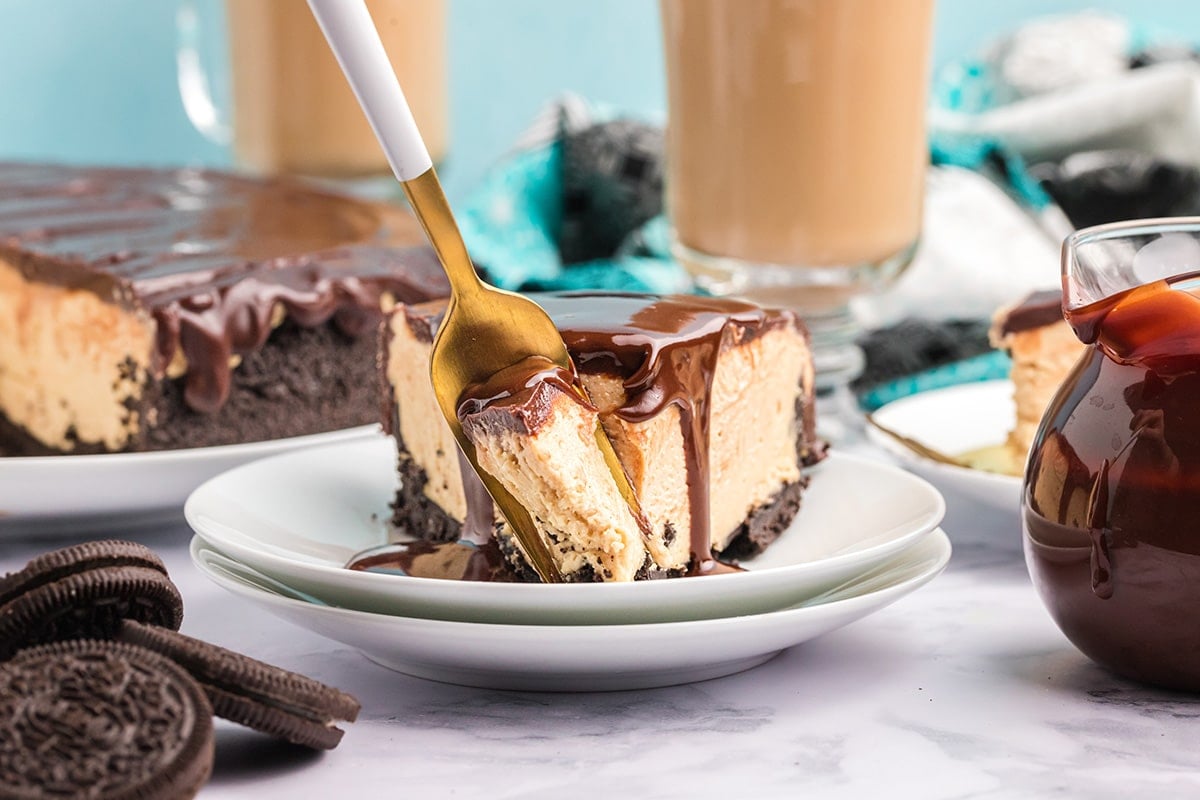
1111, 500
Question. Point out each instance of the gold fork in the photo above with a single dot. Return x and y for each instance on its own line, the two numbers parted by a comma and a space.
485, 329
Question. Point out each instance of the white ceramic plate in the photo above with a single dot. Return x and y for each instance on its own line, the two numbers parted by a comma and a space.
955, 420
585, 657
300, 517
96, 492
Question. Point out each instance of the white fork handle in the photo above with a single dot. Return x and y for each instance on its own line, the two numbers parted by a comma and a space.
355, 42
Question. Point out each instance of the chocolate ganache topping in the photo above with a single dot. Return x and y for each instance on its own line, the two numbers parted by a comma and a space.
664, 349
525, 387
217, 260
1036, 310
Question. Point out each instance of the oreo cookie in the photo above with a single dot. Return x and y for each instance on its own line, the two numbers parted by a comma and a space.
84, 592
252, 693
101, 719
56, 564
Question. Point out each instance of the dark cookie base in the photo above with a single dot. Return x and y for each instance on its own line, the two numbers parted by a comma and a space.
412, 510
419, 517
765, 523
522, 572
15, 441
305, 380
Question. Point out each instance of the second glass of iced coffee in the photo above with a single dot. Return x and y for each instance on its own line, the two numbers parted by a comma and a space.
797, 152
290, 110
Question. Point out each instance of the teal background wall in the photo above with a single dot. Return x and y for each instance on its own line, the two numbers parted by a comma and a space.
94, 80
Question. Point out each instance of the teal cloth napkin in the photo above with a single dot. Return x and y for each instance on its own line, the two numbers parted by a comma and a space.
513, 221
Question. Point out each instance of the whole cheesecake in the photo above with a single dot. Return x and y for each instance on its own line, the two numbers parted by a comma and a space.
152, 309
708, 404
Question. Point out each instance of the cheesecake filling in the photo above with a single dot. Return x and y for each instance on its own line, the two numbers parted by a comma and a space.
428, 442
73, 367
1043, 348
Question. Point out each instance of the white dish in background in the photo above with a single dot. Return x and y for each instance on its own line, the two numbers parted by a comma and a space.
301, 517
955, 420
88, 493
584, 657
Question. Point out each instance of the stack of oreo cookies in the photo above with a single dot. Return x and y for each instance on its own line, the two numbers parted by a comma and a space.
103, 697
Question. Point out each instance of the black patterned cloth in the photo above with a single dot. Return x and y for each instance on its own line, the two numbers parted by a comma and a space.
577, 204
1099, 186
612, 185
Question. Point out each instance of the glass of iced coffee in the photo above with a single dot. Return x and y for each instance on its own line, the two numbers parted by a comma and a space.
292, 110
797, 152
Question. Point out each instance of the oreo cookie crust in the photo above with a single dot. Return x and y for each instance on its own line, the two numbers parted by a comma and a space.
252, 693
101, 720
88, 605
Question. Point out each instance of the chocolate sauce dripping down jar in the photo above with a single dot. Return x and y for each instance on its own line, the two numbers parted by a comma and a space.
1111, 496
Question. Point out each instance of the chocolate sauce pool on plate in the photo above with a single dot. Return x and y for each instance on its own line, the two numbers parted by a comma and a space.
459, 561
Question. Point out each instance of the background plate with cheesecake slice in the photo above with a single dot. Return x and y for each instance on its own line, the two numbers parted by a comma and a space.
969, 422
51, 495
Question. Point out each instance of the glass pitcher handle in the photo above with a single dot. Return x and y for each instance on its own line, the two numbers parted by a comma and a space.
195, 86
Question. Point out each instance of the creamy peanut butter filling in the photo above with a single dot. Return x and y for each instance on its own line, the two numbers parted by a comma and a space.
1041, 359
425, 432
71, 365
752, 442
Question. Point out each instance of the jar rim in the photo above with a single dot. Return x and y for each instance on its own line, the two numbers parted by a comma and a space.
1133, 227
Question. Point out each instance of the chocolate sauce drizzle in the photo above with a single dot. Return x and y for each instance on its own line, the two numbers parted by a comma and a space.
214, 258
480, 522
460, 561
522, 388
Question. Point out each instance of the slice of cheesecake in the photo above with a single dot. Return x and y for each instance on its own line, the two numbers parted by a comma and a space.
1043, 349
155, 309
708, 404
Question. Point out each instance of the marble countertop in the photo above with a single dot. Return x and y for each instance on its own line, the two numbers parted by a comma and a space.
965, 689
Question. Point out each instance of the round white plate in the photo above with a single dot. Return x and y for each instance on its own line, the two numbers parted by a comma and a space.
954, 420
96, 492
300, 517
585, 657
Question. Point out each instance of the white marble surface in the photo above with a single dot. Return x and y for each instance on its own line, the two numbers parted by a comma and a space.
965, 689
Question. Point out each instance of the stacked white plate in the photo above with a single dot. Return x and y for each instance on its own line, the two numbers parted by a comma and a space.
278, 532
